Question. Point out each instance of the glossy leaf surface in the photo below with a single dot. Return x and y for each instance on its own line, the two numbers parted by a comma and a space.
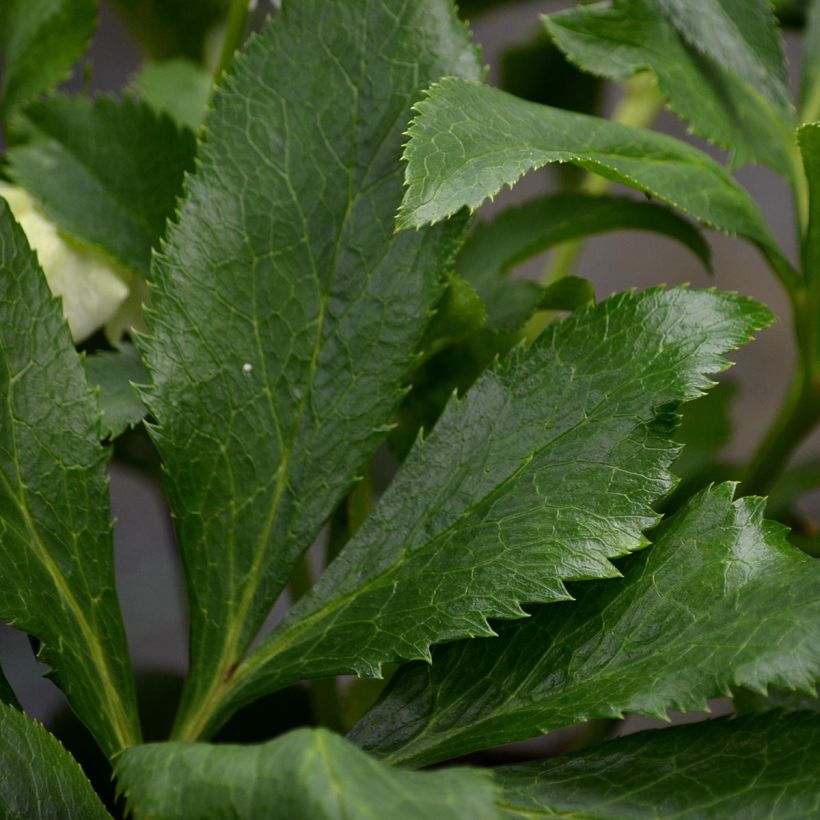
720, 600
38, 778
749, 767
304, 774
620, 39
469, 140
546, 468
288, 312
55, 525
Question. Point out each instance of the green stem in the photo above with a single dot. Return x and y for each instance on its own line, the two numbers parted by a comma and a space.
797, 417
234, 35
324, 692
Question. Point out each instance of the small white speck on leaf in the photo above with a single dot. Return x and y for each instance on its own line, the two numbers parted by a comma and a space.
247, 368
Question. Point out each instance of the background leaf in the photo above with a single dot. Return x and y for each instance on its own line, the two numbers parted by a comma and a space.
468, 140
55, 525
40, 41
720, 600
287, 311
748, 767
518, 233
741, 35
618, 40
495, 246
174, 28
107, 172
38, 777
179, 88
304, 774
548, 467
114, 372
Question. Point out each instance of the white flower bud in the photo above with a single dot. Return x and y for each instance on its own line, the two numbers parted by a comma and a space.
92, 288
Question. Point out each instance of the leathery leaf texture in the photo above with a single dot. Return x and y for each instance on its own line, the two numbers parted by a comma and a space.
720, 600
749, 767
304, 774
287, 311
742, 35
55, 525
617, 40
544, 470
468, 140
38, 777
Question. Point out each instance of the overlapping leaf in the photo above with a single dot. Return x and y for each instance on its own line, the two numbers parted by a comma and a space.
55, 527
107, 172
180, 88
495, 246
40, 41
741, 35
720, 600
749, 767
548, 467
617, 40
38, 777
114, 373
287, 309
468, 140
173, 28
304, 774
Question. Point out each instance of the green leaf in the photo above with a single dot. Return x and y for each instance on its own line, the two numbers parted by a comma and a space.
810, 86
741, 35
619, 40
494, 246
288, 312
511, 302
468, 140
748, 767
40, 41
307, 773
706, 426
460, 313
114, 373
782, 699
548, 467
174, 28
720, 600
38, 777
179, 88
55, 527
107, 172
537, 70
568, 293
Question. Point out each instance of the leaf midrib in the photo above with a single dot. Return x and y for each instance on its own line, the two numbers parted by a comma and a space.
120, 721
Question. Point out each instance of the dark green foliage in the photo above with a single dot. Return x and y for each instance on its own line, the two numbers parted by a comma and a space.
294, 212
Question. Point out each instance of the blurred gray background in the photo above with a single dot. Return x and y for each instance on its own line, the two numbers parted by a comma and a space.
148, 569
